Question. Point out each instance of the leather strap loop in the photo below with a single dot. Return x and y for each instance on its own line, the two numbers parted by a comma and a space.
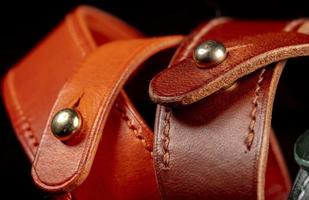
31, 87
185, 83
30, 90
217, 148
94, 86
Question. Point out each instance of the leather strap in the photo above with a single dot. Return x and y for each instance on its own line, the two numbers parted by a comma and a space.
185, 83
217, 148
124, 153
123, 160
50, 64
92, 90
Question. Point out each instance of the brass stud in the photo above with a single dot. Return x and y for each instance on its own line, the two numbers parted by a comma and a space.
209, 52
66, 123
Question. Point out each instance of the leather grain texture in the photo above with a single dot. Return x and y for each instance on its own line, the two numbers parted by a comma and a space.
185, 83
215, 148
42, 73
218, 147
92, 91
32, 87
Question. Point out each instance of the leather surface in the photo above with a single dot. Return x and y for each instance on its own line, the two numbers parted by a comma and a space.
214, 149
185, 83
92, 91
42, 73
31, 88
217, 148
122, 168
277, 179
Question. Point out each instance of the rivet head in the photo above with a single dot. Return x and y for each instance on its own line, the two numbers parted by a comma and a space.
209, 52
66, 123
301, 150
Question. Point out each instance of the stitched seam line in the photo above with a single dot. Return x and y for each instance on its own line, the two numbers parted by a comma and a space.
135, 128
23, 124
166, 138
251, 133
96, 124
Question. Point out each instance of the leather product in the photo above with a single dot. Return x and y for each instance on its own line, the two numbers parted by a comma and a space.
209, 149
34, 88
217, 148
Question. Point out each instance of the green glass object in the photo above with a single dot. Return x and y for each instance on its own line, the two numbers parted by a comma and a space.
301, 150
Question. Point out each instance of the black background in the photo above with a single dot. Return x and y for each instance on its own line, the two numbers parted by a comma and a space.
24, 23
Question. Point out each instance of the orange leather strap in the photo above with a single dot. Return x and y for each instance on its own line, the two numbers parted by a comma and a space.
31, 87
92, 90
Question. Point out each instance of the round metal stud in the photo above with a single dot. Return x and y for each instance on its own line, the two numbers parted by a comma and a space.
301, 150
210, 52
66, 123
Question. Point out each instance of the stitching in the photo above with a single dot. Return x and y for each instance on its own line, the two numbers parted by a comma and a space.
166, 138
135, 129
303, 191
251, 133
194, 40
95, 125
23, 122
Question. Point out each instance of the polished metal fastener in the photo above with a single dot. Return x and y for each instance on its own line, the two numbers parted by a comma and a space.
66, 123
209, 53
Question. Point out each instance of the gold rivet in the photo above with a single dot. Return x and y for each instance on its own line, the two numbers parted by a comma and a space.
66, 123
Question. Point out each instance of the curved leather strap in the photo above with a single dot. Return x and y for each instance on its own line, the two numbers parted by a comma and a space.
92, 90
31, 87
185, 83
124, 157
124, 154
217, 148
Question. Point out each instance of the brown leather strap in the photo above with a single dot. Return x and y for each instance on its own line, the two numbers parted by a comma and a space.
217, 148
185, 83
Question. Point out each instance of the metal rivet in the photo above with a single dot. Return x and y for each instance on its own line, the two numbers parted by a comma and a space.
66, 123
210, 52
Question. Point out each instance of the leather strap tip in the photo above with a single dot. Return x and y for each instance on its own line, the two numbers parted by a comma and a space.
66, 186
